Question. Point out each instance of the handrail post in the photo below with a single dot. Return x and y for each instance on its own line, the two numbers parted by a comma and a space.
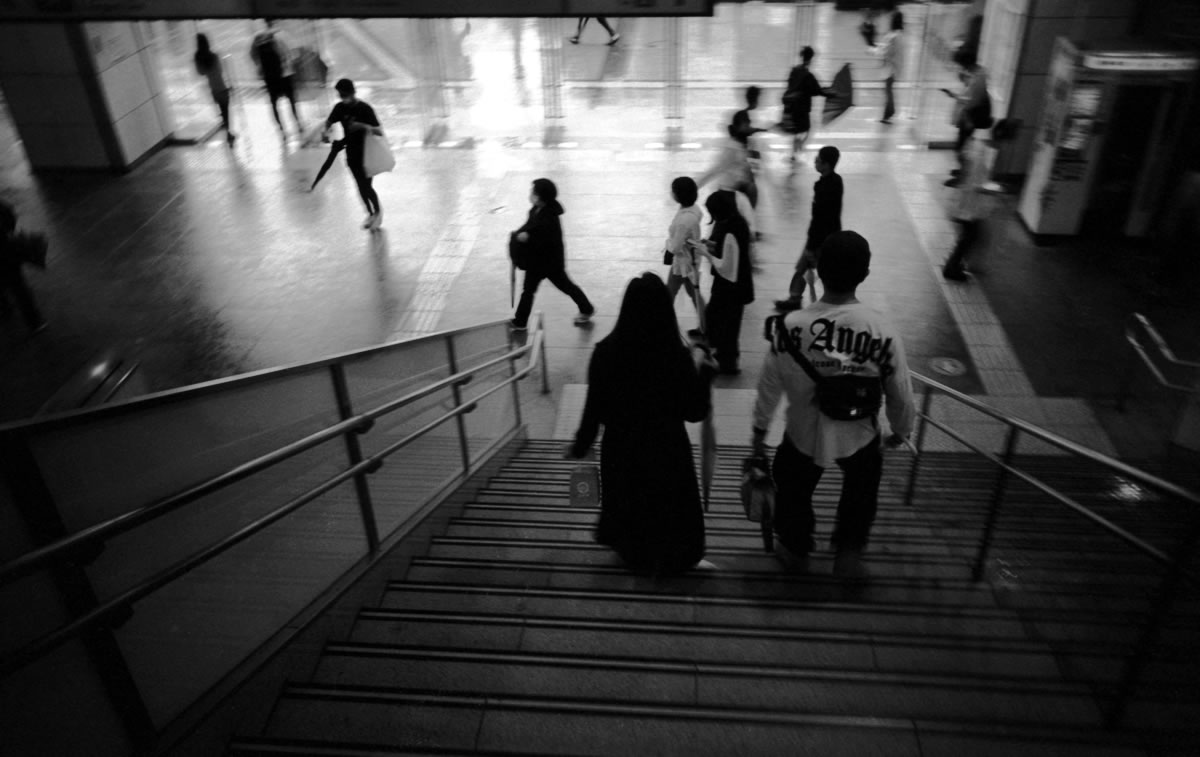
1167, 591
926, 403
542, 354
354, 453
459, 421
985, 543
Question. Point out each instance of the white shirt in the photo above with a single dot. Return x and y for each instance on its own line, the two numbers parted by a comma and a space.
684, 226
849, 339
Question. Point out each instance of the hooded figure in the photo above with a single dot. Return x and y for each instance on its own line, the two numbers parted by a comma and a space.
543, 237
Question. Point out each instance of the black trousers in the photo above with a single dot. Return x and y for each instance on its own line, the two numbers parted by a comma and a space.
367, 192
968, 236
558, 278
889, 103
796, 478
723, 322
13, 280
222, 101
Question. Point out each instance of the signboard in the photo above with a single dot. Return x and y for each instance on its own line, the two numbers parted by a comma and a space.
114, 10
1134, 63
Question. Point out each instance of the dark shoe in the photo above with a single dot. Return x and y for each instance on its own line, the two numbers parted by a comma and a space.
954, 274
695, 333
956, 172
614, 39
517, 326
952, 182
584, 319
848, 566
574, 40
887, 121
791, 561
789, 304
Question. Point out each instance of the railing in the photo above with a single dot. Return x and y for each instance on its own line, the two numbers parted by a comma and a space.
78, 551
1144, 338
1175, 563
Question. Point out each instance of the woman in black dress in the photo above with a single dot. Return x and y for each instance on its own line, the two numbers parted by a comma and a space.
642, 386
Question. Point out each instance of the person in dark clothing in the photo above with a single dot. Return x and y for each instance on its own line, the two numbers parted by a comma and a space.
542, 233
802, 87
742, 126
208, 65
11, 277
273, 58
642, 386
826, 219
357, 120
613, 37
728, 247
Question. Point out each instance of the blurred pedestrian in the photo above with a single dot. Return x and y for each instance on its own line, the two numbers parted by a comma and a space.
972, 108
890, 52
685, 227
612, 35
12, 279
546, 255
208, 65
802, 87
728, 247
857, 356
357, 120
642, 387
971, 206
277, 68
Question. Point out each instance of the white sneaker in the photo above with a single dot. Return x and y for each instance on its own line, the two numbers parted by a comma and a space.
369, 221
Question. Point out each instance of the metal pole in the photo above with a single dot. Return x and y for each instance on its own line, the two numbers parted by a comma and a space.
354, 453
456, 393
542, 349
1167, 591
1010, 446
926, 401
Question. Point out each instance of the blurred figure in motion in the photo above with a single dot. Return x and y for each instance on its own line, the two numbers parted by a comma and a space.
889, 52
642, 387
802, 87
277, 69
208, 65
12, 279
612, 35
357, 120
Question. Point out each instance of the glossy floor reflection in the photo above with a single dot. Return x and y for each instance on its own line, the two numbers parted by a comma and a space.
205, 262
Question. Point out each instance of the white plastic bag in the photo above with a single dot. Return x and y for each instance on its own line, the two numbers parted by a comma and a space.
377, 155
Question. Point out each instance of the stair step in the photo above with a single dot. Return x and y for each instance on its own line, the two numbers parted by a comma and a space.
770, 688
531, 725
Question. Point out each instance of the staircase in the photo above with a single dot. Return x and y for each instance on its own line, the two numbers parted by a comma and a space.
517, 634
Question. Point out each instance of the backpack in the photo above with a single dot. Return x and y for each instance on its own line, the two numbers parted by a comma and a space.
269, 59
840, 398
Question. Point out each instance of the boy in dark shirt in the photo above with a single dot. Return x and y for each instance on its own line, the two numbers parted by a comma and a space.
826, 219
357, 119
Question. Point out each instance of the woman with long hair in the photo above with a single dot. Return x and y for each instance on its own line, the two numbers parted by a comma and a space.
543, 239
208, 65
643, 385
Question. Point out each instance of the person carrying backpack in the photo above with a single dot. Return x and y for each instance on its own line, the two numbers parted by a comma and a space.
277, 69
838, 361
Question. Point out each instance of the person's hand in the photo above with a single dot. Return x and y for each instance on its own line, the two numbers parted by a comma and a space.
893, 441
523, 236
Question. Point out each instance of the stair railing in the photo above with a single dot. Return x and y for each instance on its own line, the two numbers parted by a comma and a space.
1143, 339
85, 545
1176, 572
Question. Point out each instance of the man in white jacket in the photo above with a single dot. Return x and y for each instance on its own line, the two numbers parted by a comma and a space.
840, 337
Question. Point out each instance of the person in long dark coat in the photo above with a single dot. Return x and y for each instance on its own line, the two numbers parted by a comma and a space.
643, 385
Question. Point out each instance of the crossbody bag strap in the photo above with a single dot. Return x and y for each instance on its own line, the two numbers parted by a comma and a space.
783, 338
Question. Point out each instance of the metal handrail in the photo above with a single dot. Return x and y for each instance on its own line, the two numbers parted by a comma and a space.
1132, 325
123, 523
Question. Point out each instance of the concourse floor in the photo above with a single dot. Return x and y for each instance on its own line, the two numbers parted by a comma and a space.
206, 261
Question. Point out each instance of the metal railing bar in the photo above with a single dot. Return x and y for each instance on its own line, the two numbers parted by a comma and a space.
1151, 366
216, 385
1075, 448
1148, 549
50, 641
120, 524
1159, 342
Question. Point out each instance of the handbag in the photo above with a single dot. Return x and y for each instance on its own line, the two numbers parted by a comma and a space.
518, 252
841, 398
668, 257
585, 486
758, 496
377, 155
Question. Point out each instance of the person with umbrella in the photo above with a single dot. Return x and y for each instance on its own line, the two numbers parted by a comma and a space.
358, 120
15, 251
802, 87
643, 385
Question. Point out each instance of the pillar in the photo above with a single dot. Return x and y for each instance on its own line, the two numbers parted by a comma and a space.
83, 96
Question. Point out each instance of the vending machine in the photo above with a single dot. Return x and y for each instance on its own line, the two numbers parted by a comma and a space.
1110, 123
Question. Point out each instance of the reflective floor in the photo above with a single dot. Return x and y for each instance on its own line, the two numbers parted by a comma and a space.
205, 261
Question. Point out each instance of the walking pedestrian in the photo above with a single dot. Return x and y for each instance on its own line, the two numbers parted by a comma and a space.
208, 65
642, 386
728, 247
277, 68
358, 120
613, 37
542, 234
972, 108
826, 219
842, 340
971, 206
685, 226
802, 87
890, 51
12, 279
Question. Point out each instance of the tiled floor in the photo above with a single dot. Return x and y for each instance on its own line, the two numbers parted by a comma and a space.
204, 262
